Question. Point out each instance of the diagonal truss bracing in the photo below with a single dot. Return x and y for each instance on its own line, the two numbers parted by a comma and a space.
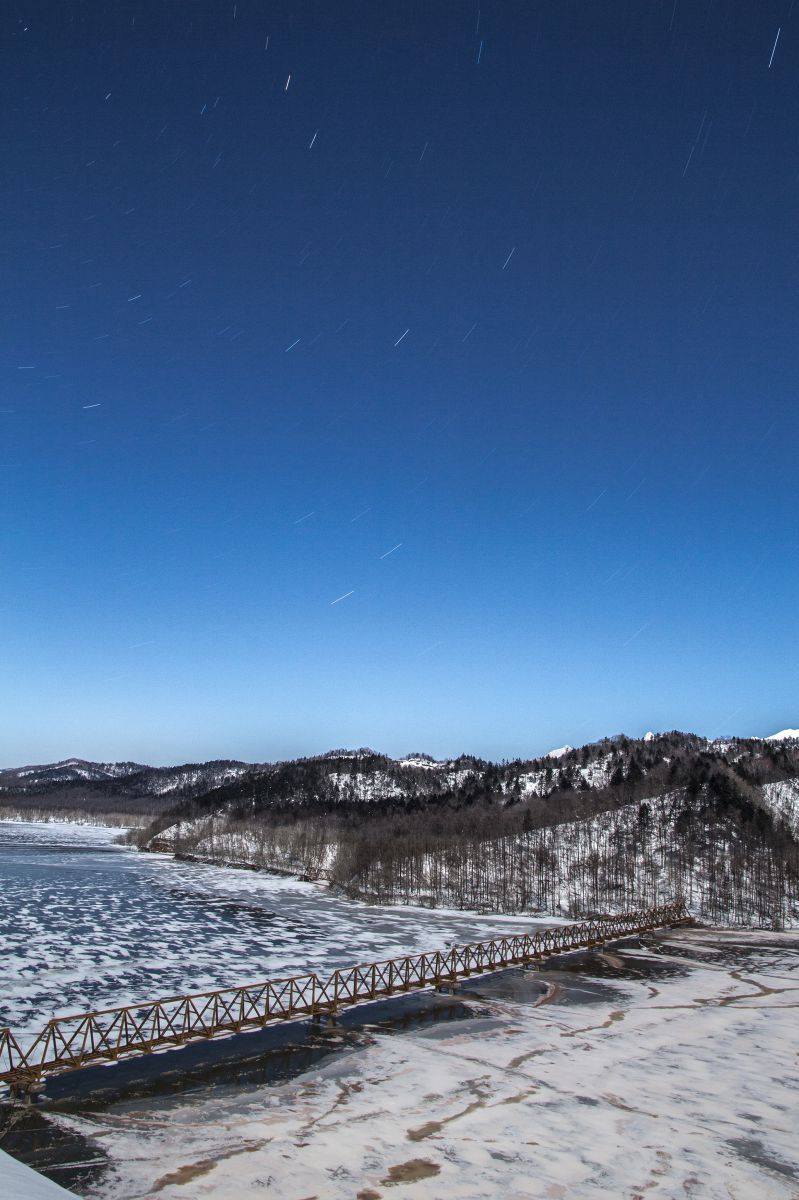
68, 1043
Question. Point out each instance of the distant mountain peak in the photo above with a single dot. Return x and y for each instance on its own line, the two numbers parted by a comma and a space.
783, 736
343, 752
559, 753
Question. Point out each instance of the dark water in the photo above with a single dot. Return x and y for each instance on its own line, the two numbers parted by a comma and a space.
234, 1066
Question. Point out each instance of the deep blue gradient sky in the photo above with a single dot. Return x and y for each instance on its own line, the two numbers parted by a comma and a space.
510, 287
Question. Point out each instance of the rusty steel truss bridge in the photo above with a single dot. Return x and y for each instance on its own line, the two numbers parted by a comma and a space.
111, 1034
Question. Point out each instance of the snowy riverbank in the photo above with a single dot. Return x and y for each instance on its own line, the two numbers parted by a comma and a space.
18, 1182
661, 1072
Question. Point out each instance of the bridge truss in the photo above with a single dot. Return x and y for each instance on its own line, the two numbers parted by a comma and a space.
108, 1035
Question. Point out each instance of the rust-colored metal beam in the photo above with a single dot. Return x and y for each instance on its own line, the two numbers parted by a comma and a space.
106, 1035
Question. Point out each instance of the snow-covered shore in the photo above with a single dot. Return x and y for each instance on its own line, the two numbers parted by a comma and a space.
676, 1078
18, 1182
77, 829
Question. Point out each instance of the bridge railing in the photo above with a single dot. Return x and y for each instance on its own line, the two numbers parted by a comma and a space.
11, 1054
67, 1043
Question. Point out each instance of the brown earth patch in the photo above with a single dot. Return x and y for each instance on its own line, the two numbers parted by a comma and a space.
191, 1171
184, 1174
416, 1135
411, 1171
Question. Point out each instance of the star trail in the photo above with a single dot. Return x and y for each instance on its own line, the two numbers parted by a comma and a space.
290, 287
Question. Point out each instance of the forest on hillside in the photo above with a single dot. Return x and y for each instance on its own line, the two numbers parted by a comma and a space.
617, 823
691, 822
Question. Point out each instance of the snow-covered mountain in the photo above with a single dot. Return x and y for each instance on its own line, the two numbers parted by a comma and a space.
70, 770
343, 777
75, 784
618, 822
726, 812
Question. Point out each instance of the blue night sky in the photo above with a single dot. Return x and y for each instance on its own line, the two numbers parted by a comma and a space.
481, 318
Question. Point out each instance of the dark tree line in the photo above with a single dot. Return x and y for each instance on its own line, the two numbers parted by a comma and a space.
617, 822
706, 836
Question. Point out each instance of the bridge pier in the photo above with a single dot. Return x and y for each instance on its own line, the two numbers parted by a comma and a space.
27, 1092
318, 1016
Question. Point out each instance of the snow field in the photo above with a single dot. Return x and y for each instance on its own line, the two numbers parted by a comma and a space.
678, 1083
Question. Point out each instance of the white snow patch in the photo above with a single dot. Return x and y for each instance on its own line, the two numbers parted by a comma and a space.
364, 785
597, 774
542, 783
561, 750
782, 800
175, 780
19, 1182
535, 783
456, 778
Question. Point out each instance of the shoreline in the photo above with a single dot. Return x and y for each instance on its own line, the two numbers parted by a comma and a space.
528, 1096
326, 886
683, 1008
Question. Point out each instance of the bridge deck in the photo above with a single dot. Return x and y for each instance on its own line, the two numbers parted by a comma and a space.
107, 1035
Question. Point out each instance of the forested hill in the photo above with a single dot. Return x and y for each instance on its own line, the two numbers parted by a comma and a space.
78, 787
362, 784
612, 824
565, 783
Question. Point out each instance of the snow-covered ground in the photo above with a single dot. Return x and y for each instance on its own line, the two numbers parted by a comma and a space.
676, 1078
18, 1182
782, 799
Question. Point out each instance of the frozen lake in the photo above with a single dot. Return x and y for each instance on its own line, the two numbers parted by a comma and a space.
687, 1037
85, 923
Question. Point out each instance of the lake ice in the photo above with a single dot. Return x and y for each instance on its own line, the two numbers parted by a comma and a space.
86, 923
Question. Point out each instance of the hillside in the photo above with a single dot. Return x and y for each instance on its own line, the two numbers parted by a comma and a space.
76, 786
615, 824
612, 824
